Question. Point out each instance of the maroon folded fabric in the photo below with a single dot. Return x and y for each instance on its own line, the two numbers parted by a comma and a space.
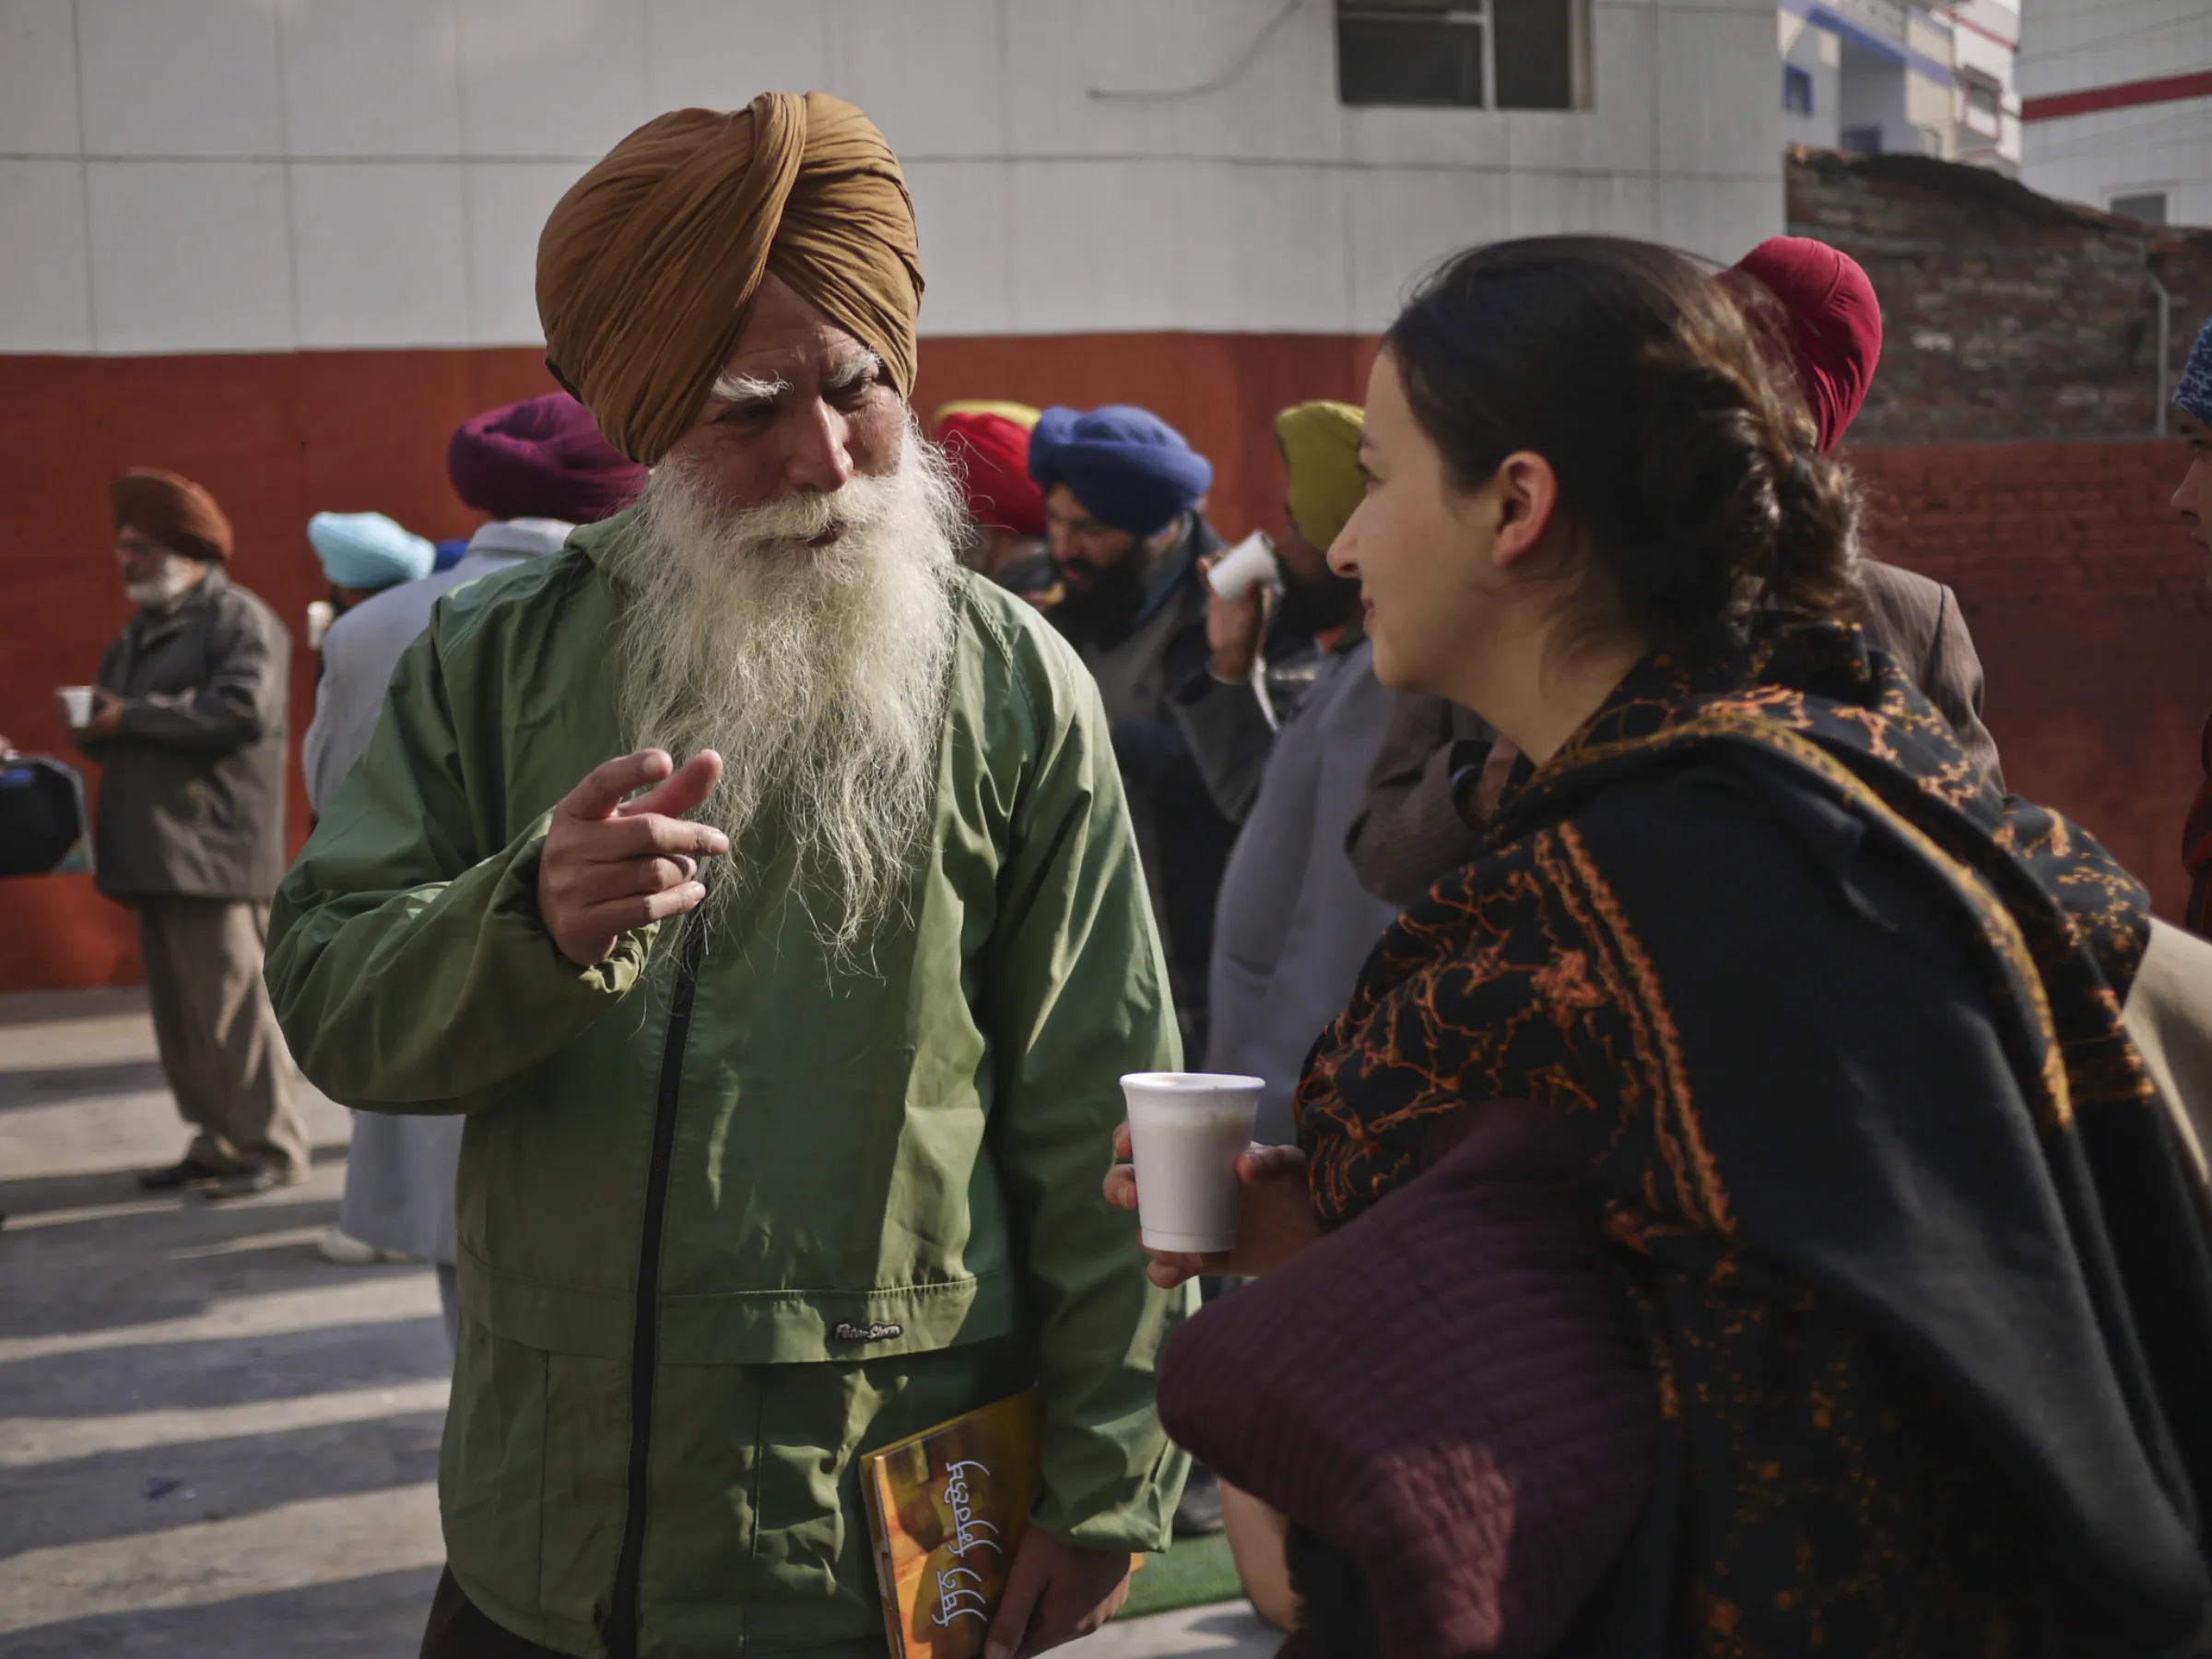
543, 457
1449, 1390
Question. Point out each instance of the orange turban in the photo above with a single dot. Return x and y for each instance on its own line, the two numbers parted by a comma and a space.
173, 512
648, 267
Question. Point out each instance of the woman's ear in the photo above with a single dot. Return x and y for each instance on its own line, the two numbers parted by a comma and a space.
1526, 497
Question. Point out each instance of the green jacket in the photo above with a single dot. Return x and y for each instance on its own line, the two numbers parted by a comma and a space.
729, 1217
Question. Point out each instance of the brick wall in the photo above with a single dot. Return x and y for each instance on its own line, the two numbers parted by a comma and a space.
2005, 314
2092, 612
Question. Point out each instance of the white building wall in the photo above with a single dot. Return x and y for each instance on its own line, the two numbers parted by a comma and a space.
1820, 55
1929, 104
1985, 38
186, 175
2077, 46
1874, 94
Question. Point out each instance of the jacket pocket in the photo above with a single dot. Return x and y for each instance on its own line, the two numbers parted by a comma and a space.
757, 1482
801, 1327
745, 1327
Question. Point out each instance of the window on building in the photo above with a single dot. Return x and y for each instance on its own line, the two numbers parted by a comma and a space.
1481, 54
2149, 207
1859, 140
1796, 90
1984, 96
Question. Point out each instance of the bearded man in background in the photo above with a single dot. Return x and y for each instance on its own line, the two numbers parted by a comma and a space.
788, 1079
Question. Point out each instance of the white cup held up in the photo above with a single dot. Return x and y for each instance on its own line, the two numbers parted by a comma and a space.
1187, 1130
1243, 566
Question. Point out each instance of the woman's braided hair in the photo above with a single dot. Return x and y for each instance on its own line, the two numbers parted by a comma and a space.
1684, 448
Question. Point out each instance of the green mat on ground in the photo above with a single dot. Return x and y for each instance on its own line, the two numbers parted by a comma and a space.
1195, 1572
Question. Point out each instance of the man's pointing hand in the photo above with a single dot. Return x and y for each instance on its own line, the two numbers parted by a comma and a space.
611, 864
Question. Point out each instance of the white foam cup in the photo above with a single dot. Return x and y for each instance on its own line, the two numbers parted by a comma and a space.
321, 614
77, 701
1185, 1131
1243, 566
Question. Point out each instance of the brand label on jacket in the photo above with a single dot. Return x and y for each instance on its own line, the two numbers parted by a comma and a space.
846, 1331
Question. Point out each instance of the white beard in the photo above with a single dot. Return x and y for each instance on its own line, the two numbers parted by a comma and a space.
820, 674
159, 592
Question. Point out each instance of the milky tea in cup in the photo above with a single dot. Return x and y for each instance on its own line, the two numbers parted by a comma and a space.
1185, 1131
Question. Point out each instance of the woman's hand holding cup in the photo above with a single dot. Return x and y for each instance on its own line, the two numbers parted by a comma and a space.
1275, 1218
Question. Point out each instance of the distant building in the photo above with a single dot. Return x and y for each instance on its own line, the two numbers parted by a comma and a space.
1876, 78
2006, 316
2118, 106
261, 177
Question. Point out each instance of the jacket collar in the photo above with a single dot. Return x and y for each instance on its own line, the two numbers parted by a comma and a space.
193, 602
610, 544
520, 538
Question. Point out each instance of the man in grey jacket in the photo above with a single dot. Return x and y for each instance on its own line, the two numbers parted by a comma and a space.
1286, 752
541, 466
188, 726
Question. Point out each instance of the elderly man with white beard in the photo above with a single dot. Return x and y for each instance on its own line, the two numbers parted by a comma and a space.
759, 885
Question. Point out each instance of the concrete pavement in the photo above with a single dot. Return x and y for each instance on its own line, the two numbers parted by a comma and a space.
211, 1440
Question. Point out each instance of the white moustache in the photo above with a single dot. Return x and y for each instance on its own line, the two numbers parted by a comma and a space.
860, 505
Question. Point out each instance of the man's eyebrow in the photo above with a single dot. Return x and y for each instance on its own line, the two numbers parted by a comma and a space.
851, 372
749, 389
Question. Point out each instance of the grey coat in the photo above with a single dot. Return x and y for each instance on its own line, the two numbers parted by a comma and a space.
1294, 925
1181, 833
191, 787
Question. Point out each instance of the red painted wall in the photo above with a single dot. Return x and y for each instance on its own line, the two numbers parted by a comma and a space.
2089, 605
2092, 612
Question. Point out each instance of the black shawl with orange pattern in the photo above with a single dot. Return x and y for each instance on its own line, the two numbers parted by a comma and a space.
1921, 1279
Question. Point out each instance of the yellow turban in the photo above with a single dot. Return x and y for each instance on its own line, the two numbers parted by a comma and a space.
1321, 446
1022, 415
647, 269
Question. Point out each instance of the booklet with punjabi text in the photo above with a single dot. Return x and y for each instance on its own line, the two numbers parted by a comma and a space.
948, 1508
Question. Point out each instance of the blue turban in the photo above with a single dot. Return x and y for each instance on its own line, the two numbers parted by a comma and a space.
368, 550
2195, 392
1129, 468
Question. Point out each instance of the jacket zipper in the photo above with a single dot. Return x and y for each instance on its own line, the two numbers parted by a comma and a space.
621, 1629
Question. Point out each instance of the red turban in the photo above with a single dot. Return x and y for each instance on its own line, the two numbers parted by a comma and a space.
173, 512
1831, 319
992, 456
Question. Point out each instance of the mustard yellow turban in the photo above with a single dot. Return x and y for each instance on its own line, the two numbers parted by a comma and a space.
1321, 446
1022, 415
647, 268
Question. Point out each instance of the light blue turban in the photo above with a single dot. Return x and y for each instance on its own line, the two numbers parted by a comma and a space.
368, 550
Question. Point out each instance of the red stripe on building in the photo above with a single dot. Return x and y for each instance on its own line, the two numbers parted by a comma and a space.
1983, 30
2127, 94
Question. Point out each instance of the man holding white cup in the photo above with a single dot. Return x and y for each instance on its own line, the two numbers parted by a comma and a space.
186, 718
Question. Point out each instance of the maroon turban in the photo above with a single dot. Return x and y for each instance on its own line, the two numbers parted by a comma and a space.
992, 456
541, 458
1831, 319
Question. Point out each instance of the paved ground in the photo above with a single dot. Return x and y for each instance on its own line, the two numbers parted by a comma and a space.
211, 1440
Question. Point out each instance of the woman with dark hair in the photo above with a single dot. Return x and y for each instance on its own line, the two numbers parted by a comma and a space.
1730, 1217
